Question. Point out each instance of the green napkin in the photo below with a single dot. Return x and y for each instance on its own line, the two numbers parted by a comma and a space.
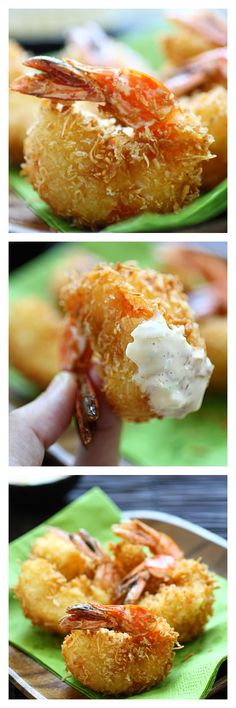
206, 207
195, 667
198, 439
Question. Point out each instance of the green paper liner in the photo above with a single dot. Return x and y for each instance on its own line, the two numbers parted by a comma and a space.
202, 209
195, 666
199, 439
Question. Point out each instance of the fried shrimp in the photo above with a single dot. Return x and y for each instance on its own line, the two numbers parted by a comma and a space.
177, 589
34, 339
58, 548
137, 325
44, 593
76, 553
200, 33
185, 599
117, 649
21, 113
211, 107
146, 154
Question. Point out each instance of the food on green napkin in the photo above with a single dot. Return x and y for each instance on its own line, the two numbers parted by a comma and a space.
164, 598
117, 649
145, 155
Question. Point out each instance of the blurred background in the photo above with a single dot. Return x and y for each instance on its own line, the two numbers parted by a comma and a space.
37, 273
47, 26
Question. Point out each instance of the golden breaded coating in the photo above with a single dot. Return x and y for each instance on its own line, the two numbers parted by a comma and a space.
92, 172
34, 339
118, 662
45, 594
146, 154
22, 110
61, 552
127, 556
211, 108
186, 601
105, 306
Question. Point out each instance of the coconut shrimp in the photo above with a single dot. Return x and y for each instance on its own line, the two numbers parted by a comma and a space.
45, 593
70, 558
211, 107
180, 590
202, 32
117, 649
34, 339
21, 113
78, 553
144, 153
133, 323
136, 537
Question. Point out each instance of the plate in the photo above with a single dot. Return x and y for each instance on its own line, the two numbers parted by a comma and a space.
34, 681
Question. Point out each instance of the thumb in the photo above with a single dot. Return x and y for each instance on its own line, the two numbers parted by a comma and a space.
34, 427
104, 448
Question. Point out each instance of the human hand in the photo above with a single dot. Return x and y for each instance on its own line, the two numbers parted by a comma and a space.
36, 426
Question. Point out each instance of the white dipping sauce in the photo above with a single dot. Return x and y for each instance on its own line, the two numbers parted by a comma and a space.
171, 372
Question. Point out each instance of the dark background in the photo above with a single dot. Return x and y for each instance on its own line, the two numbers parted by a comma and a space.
201, 499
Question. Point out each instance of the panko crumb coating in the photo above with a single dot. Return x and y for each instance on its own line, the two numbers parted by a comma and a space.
44, 593
95, 172
186, 601
115, 663
62, 553
106, 305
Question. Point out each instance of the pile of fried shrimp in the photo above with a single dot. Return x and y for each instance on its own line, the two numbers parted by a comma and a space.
123, 610
107, 138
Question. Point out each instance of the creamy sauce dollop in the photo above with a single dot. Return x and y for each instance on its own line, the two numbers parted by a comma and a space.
171, 372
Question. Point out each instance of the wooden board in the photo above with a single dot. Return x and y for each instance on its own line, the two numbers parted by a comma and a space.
34, 681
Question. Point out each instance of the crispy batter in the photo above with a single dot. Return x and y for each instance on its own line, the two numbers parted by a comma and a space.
61, 552
45, 594
35, 330
211, 108
186, 600
106, 305
127, 556
94, 172
117, 662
